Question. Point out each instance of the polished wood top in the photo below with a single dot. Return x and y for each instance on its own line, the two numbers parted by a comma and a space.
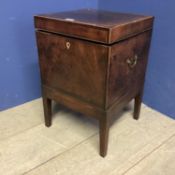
100, 18
94, 25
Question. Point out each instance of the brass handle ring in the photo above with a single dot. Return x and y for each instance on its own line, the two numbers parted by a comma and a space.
132, 61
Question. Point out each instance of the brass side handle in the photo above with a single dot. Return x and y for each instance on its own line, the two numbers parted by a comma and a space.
132, 61
68, 45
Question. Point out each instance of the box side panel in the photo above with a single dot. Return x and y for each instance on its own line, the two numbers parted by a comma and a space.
127, 68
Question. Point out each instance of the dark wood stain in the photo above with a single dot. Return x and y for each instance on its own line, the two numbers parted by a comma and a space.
94, 25
95, 64
68, 71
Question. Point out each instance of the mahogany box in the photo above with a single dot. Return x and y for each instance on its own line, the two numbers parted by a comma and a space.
93, 62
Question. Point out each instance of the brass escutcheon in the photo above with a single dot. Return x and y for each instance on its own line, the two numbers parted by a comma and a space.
68, 45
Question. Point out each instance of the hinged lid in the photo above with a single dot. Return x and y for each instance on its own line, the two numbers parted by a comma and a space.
95, 25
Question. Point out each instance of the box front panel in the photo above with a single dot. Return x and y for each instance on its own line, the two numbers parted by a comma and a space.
75, 67
127, 68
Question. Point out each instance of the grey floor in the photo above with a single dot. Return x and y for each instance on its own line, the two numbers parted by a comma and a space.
71, 145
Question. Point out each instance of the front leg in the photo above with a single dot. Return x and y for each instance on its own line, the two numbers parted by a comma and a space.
104, 133
47, 104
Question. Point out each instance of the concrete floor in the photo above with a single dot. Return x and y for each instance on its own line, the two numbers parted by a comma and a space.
70, 146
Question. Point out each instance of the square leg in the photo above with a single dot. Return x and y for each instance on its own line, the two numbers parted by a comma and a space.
47, 104
137, 105
104, 134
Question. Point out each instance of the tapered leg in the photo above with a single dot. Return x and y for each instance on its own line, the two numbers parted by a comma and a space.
104, 132
137, 106
47, 104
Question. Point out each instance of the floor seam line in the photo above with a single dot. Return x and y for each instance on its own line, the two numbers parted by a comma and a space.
54, 157
52, 141
20, 132
147, 155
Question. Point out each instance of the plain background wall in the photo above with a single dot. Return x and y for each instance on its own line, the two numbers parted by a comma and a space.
160, 79
19, 71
